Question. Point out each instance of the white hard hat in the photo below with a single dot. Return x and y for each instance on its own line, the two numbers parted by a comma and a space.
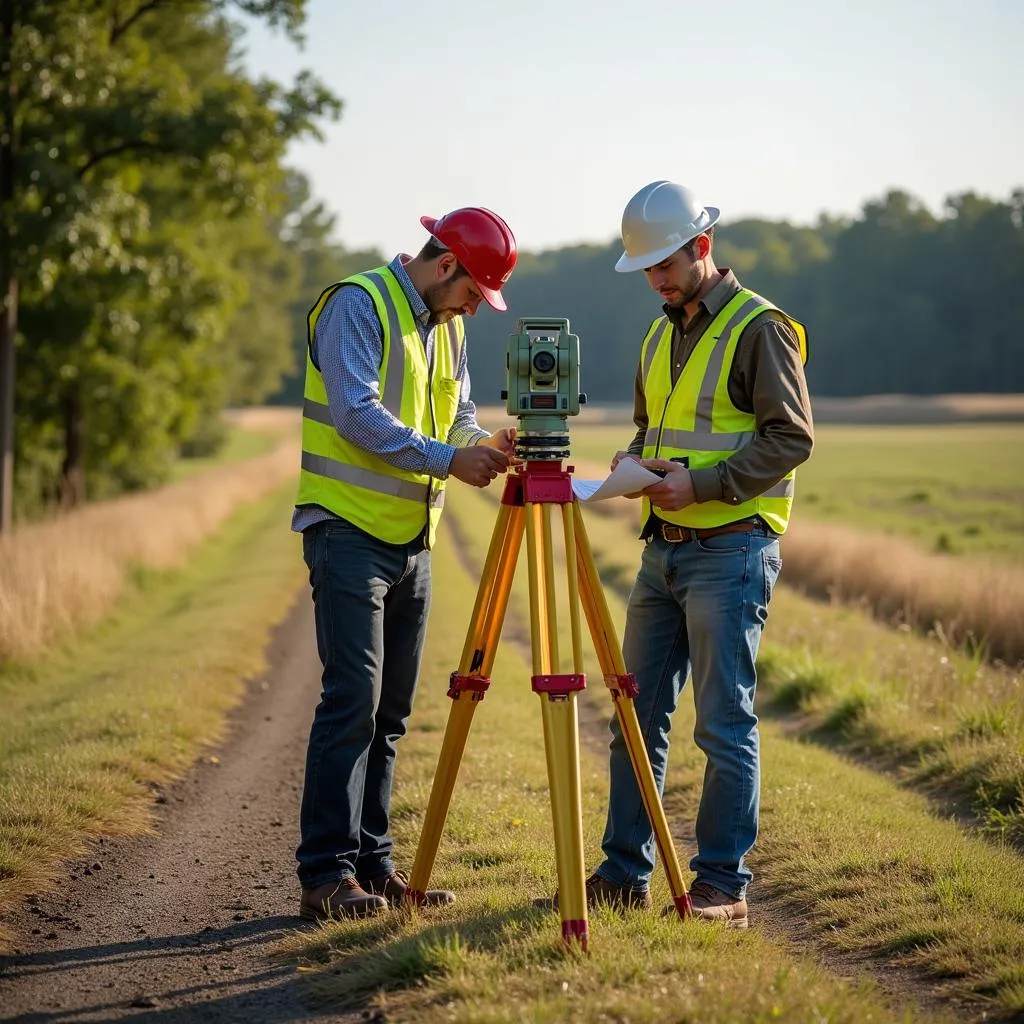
661, 218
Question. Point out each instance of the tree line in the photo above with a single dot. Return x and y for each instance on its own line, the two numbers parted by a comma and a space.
896, 300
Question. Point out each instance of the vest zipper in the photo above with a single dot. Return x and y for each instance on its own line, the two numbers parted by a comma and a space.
433, 425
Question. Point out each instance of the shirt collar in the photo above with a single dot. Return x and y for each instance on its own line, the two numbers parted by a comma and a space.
715, 300
416, 303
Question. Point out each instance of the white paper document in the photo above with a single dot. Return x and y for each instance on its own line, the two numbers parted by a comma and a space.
628, 477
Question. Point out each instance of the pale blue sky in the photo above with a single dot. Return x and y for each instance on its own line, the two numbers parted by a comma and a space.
554, 112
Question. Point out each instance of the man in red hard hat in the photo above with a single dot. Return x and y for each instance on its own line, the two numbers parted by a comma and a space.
387, 419
484, 247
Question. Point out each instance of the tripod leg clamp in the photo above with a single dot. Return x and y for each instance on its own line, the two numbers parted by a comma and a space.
559, 684
477, 685
624, 685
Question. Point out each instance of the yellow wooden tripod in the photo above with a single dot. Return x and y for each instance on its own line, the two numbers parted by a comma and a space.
525, 507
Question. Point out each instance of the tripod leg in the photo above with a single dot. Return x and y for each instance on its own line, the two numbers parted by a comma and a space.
623, 689
572, 576
468, 686
561, 729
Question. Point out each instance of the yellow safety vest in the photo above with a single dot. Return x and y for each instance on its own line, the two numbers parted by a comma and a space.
391, 504
696, 419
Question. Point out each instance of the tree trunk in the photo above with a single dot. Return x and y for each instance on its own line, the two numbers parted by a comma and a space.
72, 472
8, 281
8, 329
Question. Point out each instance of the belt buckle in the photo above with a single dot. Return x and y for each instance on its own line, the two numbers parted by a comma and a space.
681, 534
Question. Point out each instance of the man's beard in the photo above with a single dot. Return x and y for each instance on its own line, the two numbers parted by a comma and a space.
691, 289
436, 299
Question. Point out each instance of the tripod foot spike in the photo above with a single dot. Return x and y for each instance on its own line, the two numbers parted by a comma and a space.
575, 933
683, 905
415, 898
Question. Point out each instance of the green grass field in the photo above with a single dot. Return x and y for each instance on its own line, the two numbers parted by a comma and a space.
950, 487
893, 793
953, 488
857, 863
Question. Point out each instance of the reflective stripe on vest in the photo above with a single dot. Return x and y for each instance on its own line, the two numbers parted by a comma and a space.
389, 503
367, 479
695, 417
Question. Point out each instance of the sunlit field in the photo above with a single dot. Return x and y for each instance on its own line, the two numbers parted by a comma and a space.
950, 488
893, 786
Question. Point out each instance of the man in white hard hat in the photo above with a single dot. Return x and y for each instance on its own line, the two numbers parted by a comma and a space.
722, 410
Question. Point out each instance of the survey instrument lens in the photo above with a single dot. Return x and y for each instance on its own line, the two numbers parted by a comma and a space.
544, 362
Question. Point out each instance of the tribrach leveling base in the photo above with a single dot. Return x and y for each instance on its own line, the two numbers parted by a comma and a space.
530, 493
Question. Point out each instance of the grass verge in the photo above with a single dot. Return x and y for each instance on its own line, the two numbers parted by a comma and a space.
86, 732
865, 866
937, 718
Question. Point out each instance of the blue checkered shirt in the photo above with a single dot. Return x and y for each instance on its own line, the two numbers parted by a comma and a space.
348, 346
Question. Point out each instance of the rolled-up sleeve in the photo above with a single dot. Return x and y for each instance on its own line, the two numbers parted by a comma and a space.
465, 431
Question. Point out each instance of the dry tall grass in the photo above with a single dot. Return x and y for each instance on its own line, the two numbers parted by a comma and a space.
960, 600
963, 600
62, 575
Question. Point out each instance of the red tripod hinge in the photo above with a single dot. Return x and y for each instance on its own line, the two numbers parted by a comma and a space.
547, 489
624, 684
477, 685
559, 684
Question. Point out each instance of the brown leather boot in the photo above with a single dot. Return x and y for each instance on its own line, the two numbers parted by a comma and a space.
601, 892
711, 904
344, 898
392, 887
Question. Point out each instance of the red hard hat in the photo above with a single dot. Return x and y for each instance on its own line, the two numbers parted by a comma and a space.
483, 243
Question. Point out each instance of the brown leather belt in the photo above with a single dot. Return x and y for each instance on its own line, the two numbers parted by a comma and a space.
680, 534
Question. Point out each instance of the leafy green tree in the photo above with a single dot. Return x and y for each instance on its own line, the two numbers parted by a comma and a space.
145, 178
307, 232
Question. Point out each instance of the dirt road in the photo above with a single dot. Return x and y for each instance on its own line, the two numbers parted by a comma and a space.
178, 927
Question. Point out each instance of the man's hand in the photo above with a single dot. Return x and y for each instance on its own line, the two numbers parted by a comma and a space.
675, 491
619, 456
616, 459
477, 465
503, 440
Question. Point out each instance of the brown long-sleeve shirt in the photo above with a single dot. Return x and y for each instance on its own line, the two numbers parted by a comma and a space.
766, 379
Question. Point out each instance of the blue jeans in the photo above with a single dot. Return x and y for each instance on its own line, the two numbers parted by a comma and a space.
371, 601
698, 606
